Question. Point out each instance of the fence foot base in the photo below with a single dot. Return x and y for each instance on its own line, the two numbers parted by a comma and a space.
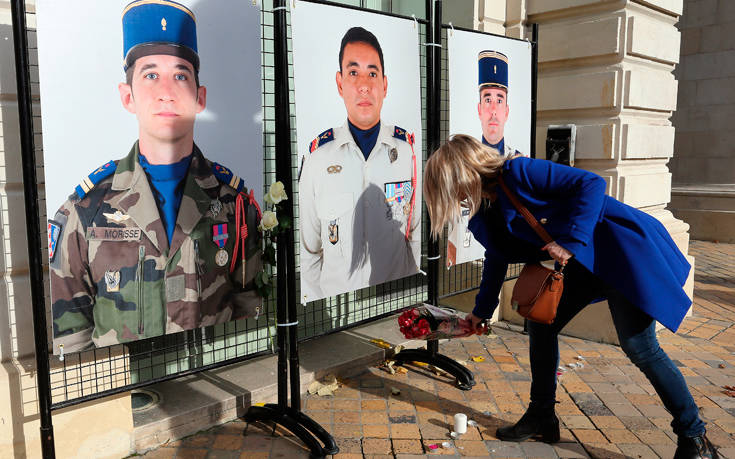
299, 424
465, 378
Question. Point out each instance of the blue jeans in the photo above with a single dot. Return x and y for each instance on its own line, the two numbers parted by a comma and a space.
637, 334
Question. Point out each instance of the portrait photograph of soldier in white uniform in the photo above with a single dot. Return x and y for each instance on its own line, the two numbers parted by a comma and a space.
489, 99
358, 129
165, 238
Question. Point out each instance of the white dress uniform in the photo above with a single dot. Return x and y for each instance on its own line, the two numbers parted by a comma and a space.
510, 151
355, 213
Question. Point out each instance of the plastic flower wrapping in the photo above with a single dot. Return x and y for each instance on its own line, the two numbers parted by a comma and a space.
430, 322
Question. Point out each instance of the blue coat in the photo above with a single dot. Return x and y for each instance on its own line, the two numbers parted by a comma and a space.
626, 248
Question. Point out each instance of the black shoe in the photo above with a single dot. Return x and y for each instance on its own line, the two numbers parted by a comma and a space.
695, 448
531, 424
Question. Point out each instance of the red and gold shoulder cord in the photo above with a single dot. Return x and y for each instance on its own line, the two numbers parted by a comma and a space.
411, 138
242, 228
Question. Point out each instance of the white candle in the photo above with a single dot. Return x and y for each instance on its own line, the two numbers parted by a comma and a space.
460, 423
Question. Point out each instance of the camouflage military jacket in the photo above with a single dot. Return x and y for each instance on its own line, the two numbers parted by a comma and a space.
114, 277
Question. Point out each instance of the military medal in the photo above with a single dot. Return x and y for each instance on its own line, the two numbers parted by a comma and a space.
215, 207
393, 155
333, 232
407, 208
397, 192
398, 198
117, 217
220, 236
407, 190
112, 280
467, 238
221, 257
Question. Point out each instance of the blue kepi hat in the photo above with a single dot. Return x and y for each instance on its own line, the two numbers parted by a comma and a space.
492, 70
159, 27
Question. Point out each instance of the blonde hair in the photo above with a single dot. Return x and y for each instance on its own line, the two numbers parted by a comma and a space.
461, 169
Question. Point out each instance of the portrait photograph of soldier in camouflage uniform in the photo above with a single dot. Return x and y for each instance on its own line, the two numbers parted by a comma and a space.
163, 239
360, 158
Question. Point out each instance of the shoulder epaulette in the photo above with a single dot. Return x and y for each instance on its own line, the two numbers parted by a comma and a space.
226, 176
400, 133
94, 178
321, 139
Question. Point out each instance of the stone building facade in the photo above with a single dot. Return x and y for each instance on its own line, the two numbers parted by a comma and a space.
703, 166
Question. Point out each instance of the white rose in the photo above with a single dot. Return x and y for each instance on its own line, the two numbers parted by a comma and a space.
269, 221
277, 192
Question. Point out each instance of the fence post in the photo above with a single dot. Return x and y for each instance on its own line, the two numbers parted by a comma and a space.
290, 417
33, 225
465, 378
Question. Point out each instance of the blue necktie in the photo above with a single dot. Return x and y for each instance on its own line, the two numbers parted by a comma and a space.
167, 184
500, 146
365, 138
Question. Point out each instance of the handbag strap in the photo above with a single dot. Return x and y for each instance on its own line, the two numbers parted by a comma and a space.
540, 230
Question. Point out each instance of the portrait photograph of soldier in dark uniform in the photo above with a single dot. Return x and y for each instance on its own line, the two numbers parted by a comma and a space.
490, 90
493, 108
163, 239
360, 158
489, 99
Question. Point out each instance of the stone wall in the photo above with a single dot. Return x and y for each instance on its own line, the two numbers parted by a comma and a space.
704, 164
14, 278
606, 66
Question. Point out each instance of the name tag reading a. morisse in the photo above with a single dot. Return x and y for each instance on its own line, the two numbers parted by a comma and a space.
102, 233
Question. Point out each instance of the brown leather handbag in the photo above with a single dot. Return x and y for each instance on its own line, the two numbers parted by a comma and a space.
538, 289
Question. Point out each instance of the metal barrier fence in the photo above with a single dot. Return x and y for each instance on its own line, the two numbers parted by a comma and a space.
104, 371
100, 372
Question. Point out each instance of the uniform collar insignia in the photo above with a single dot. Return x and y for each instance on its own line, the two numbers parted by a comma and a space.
343, 135
226, 176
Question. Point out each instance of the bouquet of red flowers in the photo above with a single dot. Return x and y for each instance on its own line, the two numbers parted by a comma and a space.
430, 322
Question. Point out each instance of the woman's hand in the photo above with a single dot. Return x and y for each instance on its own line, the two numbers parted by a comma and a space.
478, 324
557, 252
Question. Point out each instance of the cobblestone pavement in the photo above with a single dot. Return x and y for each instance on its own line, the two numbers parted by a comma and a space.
607, 407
